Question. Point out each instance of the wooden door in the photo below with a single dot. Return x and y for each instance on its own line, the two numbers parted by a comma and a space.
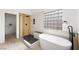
24, 25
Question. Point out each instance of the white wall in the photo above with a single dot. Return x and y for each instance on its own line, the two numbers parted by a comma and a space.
2, 21
2, 27
10, 19
38, 26
69, 15
78, 22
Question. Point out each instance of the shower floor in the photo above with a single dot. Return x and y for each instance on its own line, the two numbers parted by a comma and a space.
30, 39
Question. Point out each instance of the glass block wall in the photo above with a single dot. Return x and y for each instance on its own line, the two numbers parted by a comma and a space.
53, 19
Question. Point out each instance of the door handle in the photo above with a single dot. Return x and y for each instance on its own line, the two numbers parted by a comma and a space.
25, 24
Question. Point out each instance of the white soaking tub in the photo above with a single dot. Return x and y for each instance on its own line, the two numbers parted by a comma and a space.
51, 42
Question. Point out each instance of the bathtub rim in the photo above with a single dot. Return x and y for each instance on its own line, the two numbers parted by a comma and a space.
41, 36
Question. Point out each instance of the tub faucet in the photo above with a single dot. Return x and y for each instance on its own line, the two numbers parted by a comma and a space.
70, 29
71, 34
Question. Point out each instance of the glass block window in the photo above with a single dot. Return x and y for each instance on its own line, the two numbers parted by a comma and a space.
53, 19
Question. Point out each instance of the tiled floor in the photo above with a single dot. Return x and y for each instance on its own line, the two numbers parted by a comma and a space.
15, 44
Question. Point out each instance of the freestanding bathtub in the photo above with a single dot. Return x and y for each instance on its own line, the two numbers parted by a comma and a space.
51, 42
